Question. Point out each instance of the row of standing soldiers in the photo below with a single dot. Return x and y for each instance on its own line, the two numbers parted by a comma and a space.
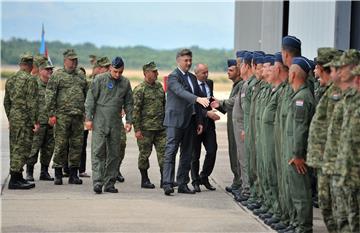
293, 126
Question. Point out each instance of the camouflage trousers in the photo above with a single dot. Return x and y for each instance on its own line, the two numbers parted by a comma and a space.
325, 200
153, 137
122, 146
69, 132
43, 141
347, 203
21, 137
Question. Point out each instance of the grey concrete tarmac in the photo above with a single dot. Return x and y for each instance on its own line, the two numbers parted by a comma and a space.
75, 208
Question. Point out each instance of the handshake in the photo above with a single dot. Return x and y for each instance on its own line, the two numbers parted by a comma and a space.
213, 103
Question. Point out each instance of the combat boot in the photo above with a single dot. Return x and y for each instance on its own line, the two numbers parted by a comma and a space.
73, 178
145, 181
58, 176
120, 177
44, 174
30, 172
17, 183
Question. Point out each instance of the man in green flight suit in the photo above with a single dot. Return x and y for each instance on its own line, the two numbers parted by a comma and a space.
301, 110
64, 103
148, 116
20, 103
109, 92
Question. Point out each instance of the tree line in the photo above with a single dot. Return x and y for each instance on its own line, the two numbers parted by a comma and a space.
134, 56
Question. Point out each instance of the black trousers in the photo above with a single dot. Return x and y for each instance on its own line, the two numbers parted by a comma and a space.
208, 139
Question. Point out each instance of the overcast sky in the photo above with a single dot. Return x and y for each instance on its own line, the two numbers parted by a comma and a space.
160, 25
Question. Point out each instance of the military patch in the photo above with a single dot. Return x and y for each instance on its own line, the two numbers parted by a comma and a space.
336, 97
110, 85
299, 103
242, 95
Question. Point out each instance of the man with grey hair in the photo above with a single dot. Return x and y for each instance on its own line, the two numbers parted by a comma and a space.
207, 138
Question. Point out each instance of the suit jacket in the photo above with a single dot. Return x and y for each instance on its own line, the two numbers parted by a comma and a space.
208, 122
180, 101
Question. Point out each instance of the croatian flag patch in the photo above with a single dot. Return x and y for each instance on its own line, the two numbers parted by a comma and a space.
299, 103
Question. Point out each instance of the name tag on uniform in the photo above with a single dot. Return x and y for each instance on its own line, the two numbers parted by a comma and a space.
242, 95
299, 103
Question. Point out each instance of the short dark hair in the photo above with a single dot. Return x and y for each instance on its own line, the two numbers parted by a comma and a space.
184, 52
294, 52
326, 69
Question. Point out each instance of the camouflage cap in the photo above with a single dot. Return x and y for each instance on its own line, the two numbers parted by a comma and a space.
45, 65
92, 56
26, 58
335, 61
39, 59
150, 66
356, 71
351, 56
103, 62
326, 54
70, 54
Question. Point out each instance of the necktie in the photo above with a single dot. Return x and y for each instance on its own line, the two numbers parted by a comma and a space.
203, 89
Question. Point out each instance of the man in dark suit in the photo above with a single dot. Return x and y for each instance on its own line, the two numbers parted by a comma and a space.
207, 138
183, 119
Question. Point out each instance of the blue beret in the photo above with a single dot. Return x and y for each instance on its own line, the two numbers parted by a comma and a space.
291, 41
240, 53
269, 58
278, 57
312, 64
258, 59
231, 62
248, 57
260, 52
117, 62
303, 62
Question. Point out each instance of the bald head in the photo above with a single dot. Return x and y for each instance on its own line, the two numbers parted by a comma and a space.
201, 71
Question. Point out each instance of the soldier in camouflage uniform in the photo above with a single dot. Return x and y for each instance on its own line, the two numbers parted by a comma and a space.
64, 103
43, 140
347, 163
20, 103
148, 116
38, 59
109, 92
347, 61
318, 131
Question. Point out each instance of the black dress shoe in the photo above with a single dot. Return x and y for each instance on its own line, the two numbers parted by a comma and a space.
111, 190
265, 216
98, 188
272, 220
257, 212
208, 185
197, 188
279, 226
168, 190
185, 189
228, 189
240, 198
